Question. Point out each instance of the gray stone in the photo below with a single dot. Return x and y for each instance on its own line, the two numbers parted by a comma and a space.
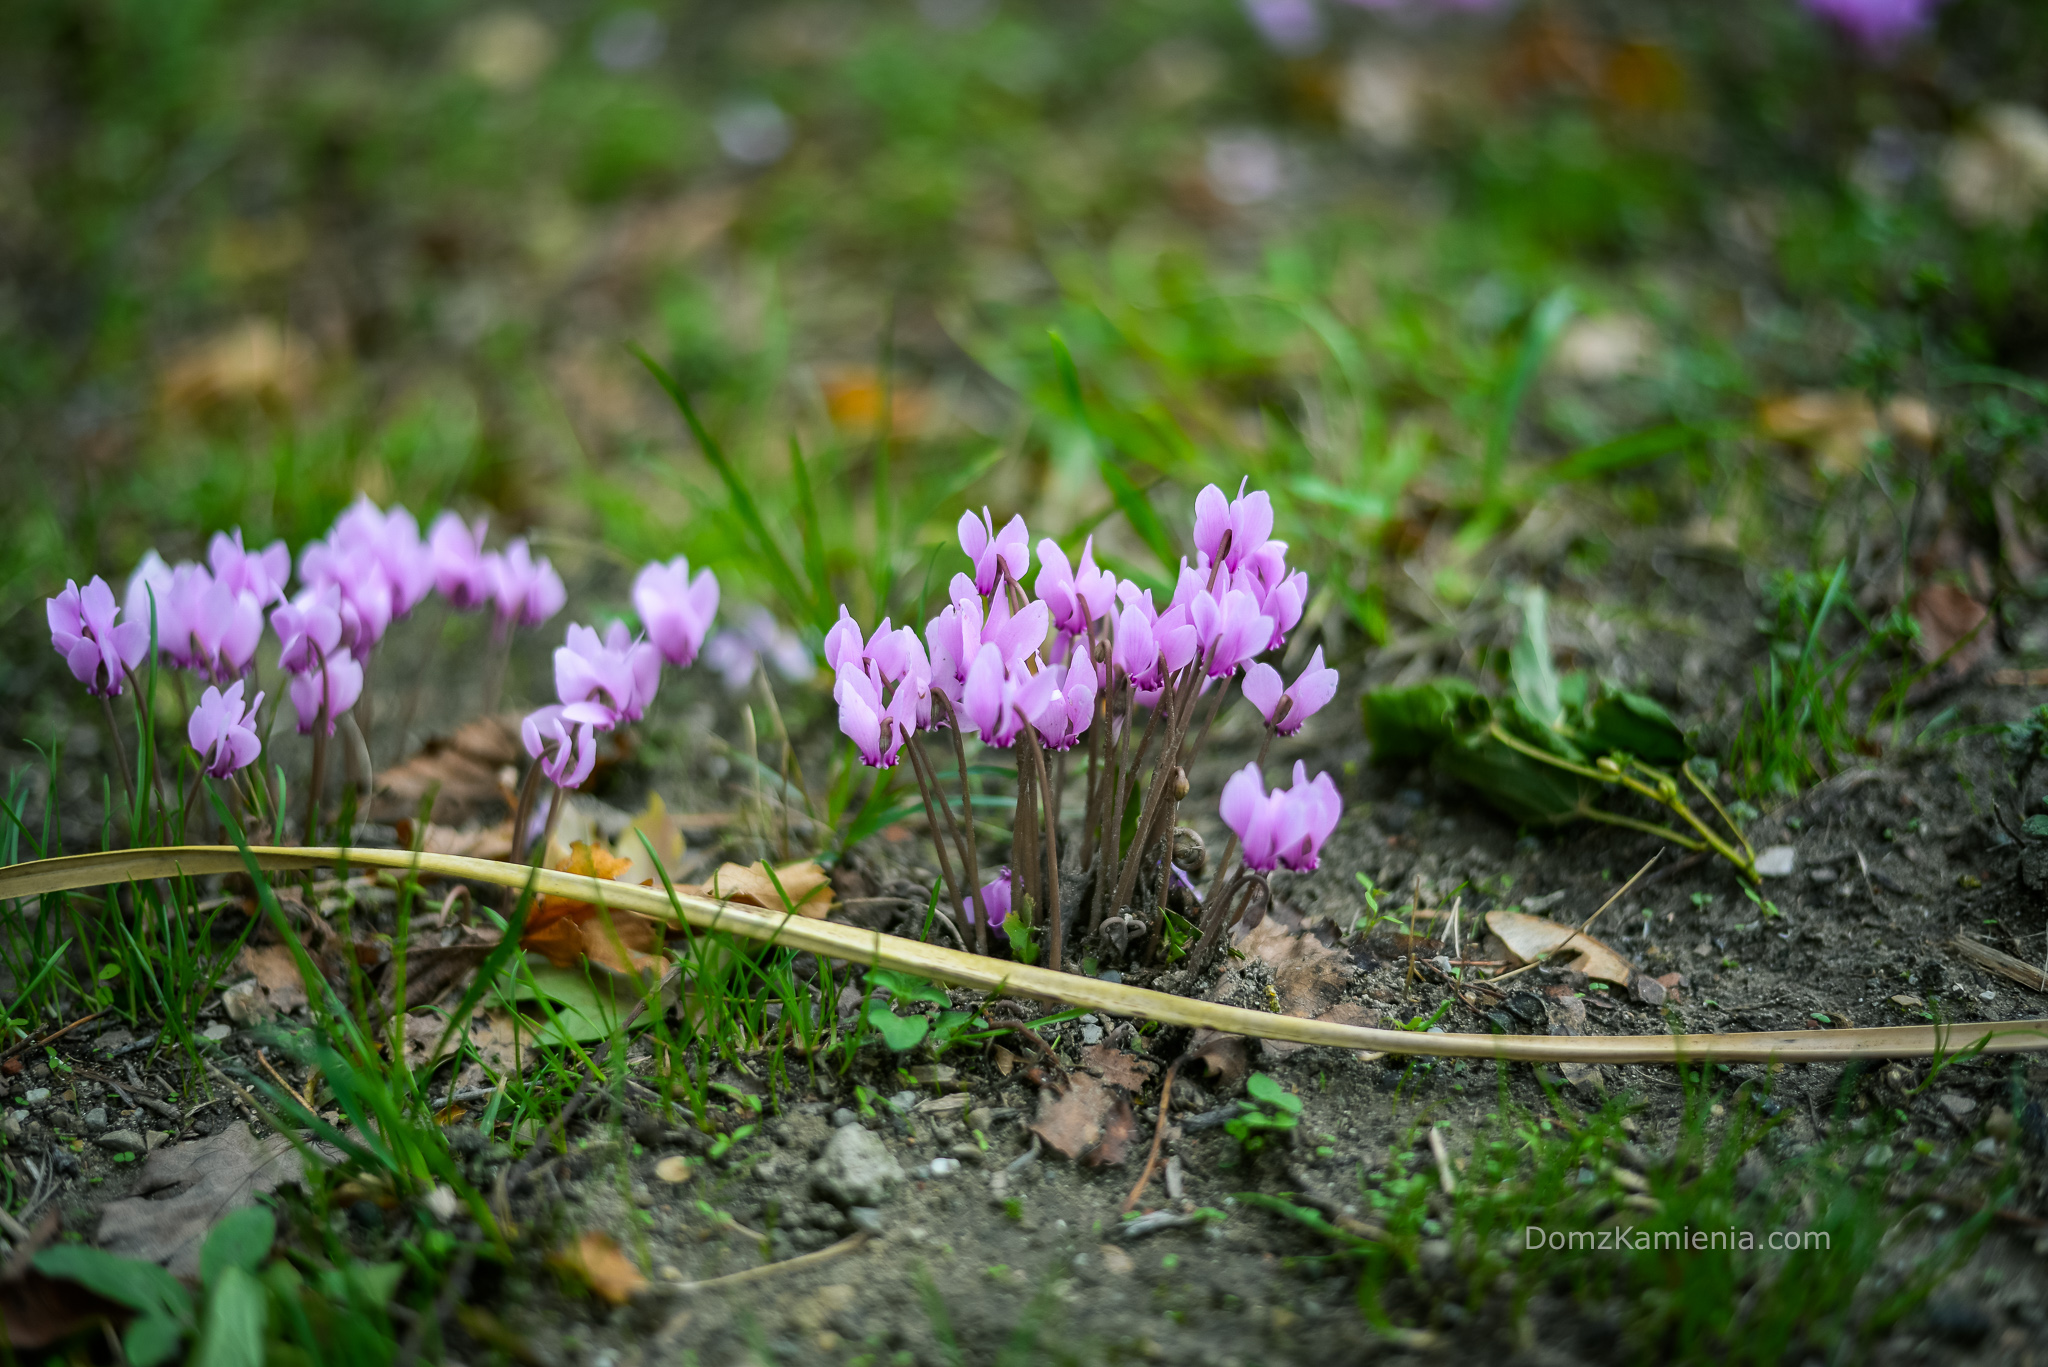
96, 1119
865, 1219
843, 1117
1776, 861
122, 1141
856, 1169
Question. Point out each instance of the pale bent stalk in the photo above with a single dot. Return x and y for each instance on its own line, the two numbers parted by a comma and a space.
993, 975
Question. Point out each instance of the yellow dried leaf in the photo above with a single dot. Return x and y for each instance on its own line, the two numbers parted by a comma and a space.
807, 885
601, 1265
1531, 938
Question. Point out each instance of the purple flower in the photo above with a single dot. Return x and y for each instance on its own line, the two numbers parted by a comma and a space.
226, 626
462, 574
996, 896
1285, 828
843, 644
223, 731
738, 650
1075, 597
616, 671
1245, 523
876, 729
391, 542
1018, 636
676, 609
526, 590
1876, 24
171, 593
1311, 691
334, 683
1293, 28
564, 740
1135, 651
1231, 631
996, 555
955, 638
309, 627
362, 593
988, 700
1309, 815
85, 629
259, 573
1059, 702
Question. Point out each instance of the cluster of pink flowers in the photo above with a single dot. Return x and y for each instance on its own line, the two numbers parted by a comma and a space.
604, 681
1283, 829
371, 569
996, 660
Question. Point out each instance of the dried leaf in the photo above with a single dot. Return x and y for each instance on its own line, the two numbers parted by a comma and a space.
600, 1264
854, 396
1838, 427
183, 1189
1530, 938
462, 771
277, 974
1005, 1061
566, 931
664, 833
809, 887
251, 361
37, 1310
1948, 616
1089, 1121
1226, 1056
1116, 1067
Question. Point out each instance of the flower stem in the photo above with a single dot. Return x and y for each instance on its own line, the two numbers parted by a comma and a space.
969, 841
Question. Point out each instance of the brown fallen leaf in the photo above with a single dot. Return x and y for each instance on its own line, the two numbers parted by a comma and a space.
664, 832
598, 1262
1948, 618
1838, 427
854, 396
431, 971
1532, 938
277, 973
1116, 1066
461, 770
1005, 1061
1088, 1120
567, 931
1226, 1056
183, 1189
251, 361
807, 884
37, 1310
470, 842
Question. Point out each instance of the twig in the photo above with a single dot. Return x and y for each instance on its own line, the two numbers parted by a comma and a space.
1158, 1137
754, 1274
1444, 1176
53, 1036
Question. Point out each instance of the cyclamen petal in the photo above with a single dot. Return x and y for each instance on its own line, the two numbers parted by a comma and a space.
223, 731
1310, 693
1263, 689
525, 588
335, 683
462, 572
262, 573
997, 897
565, 747
676, 609
85, 629
843, 644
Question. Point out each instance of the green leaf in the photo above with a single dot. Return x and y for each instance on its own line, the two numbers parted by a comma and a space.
1633, 724
125, 1281
1529, 667
900, 1033
1139, 512
908, 987
1180, 933
2035, 826
1408, 724
1265, 1089
1523, 789
152, 1339
242, 1239
588, 1005
237, 1312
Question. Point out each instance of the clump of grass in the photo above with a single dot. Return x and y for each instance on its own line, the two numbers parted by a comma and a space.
1678, 1238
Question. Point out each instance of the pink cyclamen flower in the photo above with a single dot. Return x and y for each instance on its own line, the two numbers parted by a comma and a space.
1231, 631
843, 643
1059, 702
676, 609
1075, 596
996, 555
1876, 24
1306, 820
877, 729
615, 671
564, 740
988, 700
1285, 828
525, 587
362, 593
309, 626
226, 627
223, 731
1311, 691
85, 628
332, 685
1245, 523
462, 574
368, 535
1292, 28
162, 597
259, 573
996, 896
739, 649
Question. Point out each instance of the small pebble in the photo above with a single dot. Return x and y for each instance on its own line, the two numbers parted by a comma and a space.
441, 1204
96, 1118
217, 1031
37, 1094
1091, 1034
945, 1167
842, 1117
122, 1141
904, 1101
865, 1219
1110, 975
